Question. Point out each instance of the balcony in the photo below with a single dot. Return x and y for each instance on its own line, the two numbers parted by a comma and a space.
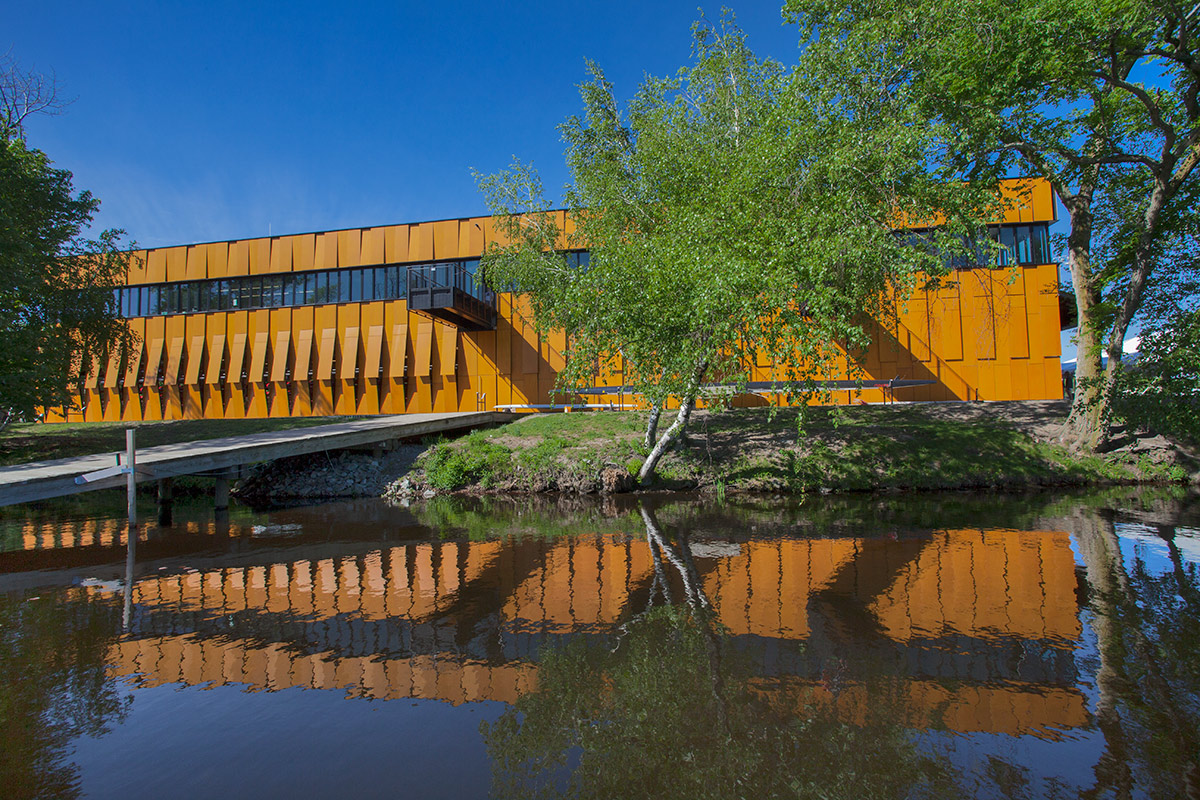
451, 292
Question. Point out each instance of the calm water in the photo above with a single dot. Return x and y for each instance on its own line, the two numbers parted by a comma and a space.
1034, 646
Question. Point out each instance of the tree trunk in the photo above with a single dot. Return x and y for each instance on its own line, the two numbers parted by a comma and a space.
652, 426
1087, 425
677, 427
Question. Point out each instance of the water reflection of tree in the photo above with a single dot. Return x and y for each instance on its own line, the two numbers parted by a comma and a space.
54, 687
1148, 628
668, 708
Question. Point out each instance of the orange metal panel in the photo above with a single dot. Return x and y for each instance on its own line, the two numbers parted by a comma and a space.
374, 351
237, 358
156, 266
113, 370
325, 356
349, 245
445, 239
469, 363
195, 357
423, 349
395, 244
304, 251
138, 263
304, 349
174, 359
258, 360
218, 260
92, 379
133, 365
154, 361
176, 263
216, 359
447, 336
420, 242
283, 347
348, 366
281, 254
470, 238
239, 259
260, 256
372, 245
399, 352
197, 262
326, 254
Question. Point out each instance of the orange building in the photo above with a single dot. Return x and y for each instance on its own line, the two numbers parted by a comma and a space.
390, 320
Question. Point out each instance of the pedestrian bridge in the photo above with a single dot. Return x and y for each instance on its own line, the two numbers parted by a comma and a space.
42, 480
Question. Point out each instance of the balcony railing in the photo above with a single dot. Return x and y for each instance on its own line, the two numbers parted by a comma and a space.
452, 292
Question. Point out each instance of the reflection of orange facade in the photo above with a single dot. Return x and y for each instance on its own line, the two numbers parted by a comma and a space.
987, 335
984, 587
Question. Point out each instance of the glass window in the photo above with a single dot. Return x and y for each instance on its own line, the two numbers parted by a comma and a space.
322, 288
1008, 245
379, 275
354, 278
289, 290
1024, 245
1041, 244
310, 287
343, 289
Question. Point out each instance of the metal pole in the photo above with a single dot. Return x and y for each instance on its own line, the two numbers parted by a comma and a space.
131, 479
131, 535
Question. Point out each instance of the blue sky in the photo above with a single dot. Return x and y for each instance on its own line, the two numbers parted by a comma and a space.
225, 120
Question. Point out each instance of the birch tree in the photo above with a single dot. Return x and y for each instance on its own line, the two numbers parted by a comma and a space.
725, 216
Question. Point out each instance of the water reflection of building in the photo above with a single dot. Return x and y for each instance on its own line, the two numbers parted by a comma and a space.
980, 625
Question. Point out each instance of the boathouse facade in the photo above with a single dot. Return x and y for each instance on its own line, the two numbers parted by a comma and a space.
390, 319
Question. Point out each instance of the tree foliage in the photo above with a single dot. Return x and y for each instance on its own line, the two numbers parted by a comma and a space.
56, 295
726, 216
1100, 97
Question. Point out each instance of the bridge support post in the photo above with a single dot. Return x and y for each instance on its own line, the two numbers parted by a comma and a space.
165, 498
221, 491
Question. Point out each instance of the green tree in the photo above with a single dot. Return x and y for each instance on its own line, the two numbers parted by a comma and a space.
1099, 97
725, 216
56, 296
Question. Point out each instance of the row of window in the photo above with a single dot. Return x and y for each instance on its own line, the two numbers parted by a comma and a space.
360, 284
1018, 244
353, 285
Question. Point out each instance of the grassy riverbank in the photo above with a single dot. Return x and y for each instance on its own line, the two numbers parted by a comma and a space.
863, 448
21, 443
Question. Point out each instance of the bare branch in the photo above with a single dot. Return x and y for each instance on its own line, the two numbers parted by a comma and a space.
23, 94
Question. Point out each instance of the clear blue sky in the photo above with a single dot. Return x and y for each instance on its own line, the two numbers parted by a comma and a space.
211, 121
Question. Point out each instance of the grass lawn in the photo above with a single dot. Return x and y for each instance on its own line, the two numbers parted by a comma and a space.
863, 448
24, 442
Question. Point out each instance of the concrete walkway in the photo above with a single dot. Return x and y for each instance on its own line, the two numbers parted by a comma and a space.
40, 480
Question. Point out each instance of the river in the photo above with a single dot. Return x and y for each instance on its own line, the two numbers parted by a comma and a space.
1041, 645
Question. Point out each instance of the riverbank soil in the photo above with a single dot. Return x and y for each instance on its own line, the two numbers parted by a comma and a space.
914, 446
